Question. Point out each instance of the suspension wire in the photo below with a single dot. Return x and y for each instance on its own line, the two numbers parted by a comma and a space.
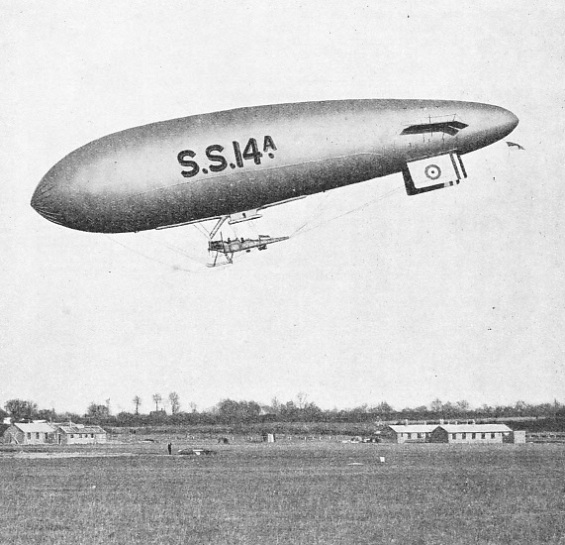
300, 231
253, 228
201, 229
320, 210
150, 258
362, 207
171, 247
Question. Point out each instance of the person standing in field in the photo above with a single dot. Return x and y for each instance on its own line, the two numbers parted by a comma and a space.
170, 447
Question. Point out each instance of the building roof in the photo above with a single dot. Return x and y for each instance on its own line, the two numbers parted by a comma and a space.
458, 428
413, 428
35, 427
79, 428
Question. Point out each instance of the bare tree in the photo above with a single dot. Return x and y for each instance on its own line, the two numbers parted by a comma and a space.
275, 405
157, 399
137, 403
97, 411
521, 407
384, 410
174, 400
301, 398
18, 408
463, 406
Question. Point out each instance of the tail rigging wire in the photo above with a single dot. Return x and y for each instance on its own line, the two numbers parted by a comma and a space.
301, 230
306, 227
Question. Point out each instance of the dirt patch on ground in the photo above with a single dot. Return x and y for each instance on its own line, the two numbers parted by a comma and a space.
43, 455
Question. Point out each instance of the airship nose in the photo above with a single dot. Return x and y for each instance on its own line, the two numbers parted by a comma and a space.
71, 195
486, 124
47, 201
498, 122
507, 121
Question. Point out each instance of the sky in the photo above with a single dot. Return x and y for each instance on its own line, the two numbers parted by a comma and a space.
454, 294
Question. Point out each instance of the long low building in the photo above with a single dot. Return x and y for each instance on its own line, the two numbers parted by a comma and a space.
79, 434
51, 433
30, 433
450, 433
470, 433
408, 433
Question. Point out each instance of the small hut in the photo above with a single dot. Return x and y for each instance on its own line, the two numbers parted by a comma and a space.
38, 432
79, 434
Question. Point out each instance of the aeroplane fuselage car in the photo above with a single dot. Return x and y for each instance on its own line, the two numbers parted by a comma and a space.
229, 165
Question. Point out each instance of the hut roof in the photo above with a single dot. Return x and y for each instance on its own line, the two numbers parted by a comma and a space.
35, 427
477, 428
78, 428
413, 428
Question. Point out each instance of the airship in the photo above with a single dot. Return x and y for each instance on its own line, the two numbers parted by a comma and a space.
229, 166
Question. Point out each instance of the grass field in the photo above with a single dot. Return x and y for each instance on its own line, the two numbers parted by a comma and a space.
317, 492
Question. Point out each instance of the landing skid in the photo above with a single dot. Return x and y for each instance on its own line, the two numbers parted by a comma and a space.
227, 248
228, 258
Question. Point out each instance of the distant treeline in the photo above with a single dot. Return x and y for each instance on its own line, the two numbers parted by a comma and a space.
231, 412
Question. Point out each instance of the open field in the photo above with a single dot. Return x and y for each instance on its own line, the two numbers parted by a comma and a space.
316, 492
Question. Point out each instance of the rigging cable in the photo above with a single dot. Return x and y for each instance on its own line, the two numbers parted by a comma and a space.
174, 267
202, 230
319, 209
300, 231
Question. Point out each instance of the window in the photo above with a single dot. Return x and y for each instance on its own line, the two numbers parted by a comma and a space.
37, 435
447, 127
91, 435
492, 435
72, 436
453, 436
29, 435
473, 436
483, 435
463, 436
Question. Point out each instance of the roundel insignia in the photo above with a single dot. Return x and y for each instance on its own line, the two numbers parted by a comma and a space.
433, 172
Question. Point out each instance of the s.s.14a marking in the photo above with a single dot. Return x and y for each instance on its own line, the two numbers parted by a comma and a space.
218, 161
